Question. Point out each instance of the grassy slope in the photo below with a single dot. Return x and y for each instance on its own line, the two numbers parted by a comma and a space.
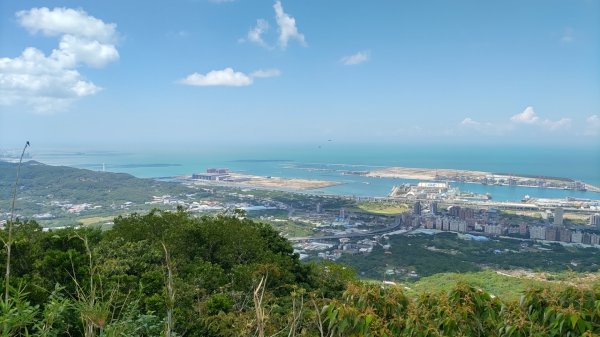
505, 287
500, 284
383, 208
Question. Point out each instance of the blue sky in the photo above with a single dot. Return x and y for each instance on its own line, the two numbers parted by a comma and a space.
111, 73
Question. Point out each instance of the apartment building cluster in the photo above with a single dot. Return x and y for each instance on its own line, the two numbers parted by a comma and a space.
490, 222
563, 234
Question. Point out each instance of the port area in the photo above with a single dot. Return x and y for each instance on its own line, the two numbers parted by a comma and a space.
480, 177
442, 192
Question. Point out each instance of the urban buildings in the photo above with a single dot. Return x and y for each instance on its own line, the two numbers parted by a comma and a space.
212, 174
433, 208
558, 216
454, 211
595, 220
537, 233
417, 208
342, 214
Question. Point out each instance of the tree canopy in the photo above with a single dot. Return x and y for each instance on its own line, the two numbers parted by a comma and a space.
173, 274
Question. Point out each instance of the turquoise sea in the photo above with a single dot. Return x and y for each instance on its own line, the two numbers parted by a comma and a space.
326, 161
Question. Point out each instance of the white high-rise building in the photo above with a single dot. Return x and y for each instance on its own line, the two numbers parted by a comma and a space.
595, 220
558, 216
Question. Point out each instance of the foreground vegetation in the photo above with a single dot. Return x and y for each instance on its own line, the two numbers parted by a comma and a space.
170, 274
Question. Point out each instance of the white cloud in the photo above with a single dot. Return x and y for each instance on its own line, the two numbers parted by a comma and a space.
73, 50
551, 125
528, 116
469, 122
67, 21
358, 58
592, 126
287, 27
255, 34
51, 82
226, 77
264, 73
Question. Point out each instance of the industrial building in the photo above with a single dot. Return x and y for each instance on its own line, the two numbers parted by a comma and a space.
212, 174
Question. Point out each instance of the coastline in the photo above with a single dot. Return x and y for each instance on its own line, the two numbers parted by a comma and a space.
343, 172
481, 177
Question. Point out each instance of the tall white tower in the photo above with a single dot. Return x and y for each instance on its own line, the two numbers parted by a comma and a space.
558, 216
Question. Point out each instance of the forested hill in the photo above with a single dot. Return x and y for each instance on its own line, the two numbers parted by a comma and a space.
171, 274
46, 183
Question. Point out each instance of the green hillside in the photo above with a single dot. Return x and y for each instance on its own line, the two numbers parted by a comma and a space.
52, 189
166, 273
38, 180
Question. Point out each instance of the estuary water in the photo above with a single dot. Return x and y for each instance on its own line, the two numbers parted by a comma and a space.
327, 160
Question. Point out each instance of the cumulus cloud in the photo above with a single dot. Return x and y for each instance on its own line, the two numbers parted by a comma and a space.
287, 27
264, 73
67, 21
51, 82
227, 78
528, 116
469, 121
592, 126
551, 125
255, 34
358, 58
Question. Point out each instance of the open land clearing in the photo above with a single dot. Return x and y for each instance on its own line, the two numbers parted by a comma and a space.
95, 220
383, 208
244, 180
422, 173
